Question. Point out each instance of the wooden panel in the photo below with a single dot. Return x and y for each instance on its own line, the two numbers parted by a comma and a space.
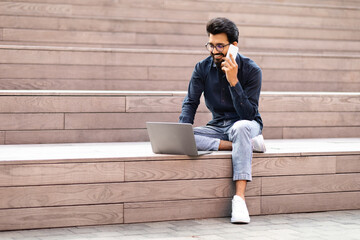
310, 202
318, 76
293, 165
272, 132
2, 137
348, 164
72, 173
75, 72
311, 62
92, 84
125, 12
155, 104
306, 119
186, 169
159, 104
76, 136
190, 209
310, 86
277, 44
310, 184
36, 35
173, 73
36, 9
306, 103
266, 7
30, 218
290, 21
124, 120
100, 57
40, 196
169, 27
176, 58
31, 121
61, 104
321, 132
103, 24
171, 40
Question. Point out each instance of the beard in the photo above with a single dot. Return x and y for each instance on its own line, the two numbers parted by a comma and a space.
218, 61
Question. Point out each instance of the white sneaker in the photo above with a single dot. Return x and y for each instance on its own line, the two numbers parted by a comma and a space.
258, 144
240, 212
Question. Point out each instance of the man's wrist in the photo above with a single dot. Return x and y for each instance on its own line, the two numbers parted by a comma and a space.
233, 82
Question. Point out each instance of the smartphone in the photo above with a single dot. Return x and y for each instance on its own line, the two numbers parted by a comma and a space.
233, 50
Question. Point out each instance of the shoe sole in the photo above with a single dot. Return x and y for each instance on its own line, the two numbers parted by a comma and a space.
240, 221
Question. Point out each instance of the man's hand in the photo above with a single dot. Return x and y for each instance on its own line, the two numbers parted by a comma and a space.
230, 67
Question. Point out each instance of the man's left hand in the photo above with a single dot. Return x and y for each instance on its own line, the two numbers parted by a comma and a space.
230, 67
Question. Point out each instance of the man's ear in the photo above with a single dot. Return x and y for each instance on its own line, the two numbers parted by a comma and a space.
235, 43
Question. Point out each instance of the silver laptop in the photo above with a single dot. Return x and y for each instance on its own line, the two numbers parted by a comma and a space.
173, 138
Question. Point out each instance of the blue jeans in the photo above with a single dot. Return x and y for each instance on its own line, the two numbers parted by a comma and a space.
240, 133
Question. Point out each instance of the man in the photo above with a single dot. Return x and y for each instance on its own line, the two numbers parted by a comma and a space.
231, 88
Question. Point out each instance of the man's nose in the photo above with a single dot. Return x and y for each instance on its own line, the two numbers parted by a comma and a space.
214, 51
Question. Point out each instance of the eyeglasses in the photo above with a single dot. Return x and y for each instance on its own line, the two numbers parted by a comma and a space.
219, 47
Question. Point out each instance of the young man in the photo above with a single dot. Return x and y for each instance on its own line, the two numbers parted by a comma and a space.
231, 88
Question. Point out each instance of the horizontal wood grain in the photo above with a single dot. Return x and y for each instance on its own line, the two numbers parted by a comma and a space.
330, 86
309, 103
102, 135
293, 165
31, 121
123, 120
76, 136
166, 170
170, 58
50, 217
268, 103
348, 164
71, 173
92, 84
84, 194
143, 40
311, 119
307, 8
61, 104
37, 9
35, 35
310, 184
159, 104
189, 209
73, 72
153, 25
2, 137
320, 132
310, 202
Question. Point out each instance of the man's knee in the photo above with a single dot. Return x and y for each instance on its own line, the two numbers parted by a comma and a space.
242, 127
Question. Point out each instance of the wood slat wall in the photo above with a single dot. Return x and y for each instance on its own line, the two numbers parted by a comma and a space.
91, 116
105, 69
129, 190
265, 27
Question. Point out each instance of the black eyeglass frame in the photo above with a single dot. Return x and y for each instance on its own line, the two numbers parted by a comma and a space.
219, 47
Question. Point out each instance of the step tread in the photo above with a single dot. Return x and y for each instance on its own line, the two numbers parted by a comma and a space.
126, 151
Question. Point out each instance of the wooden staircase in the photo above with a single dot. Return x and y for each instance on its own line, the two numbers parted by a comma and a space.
79, 79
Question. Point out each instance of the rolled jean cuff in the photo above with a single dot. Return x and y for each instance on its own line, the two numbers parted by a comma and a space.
239, 176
